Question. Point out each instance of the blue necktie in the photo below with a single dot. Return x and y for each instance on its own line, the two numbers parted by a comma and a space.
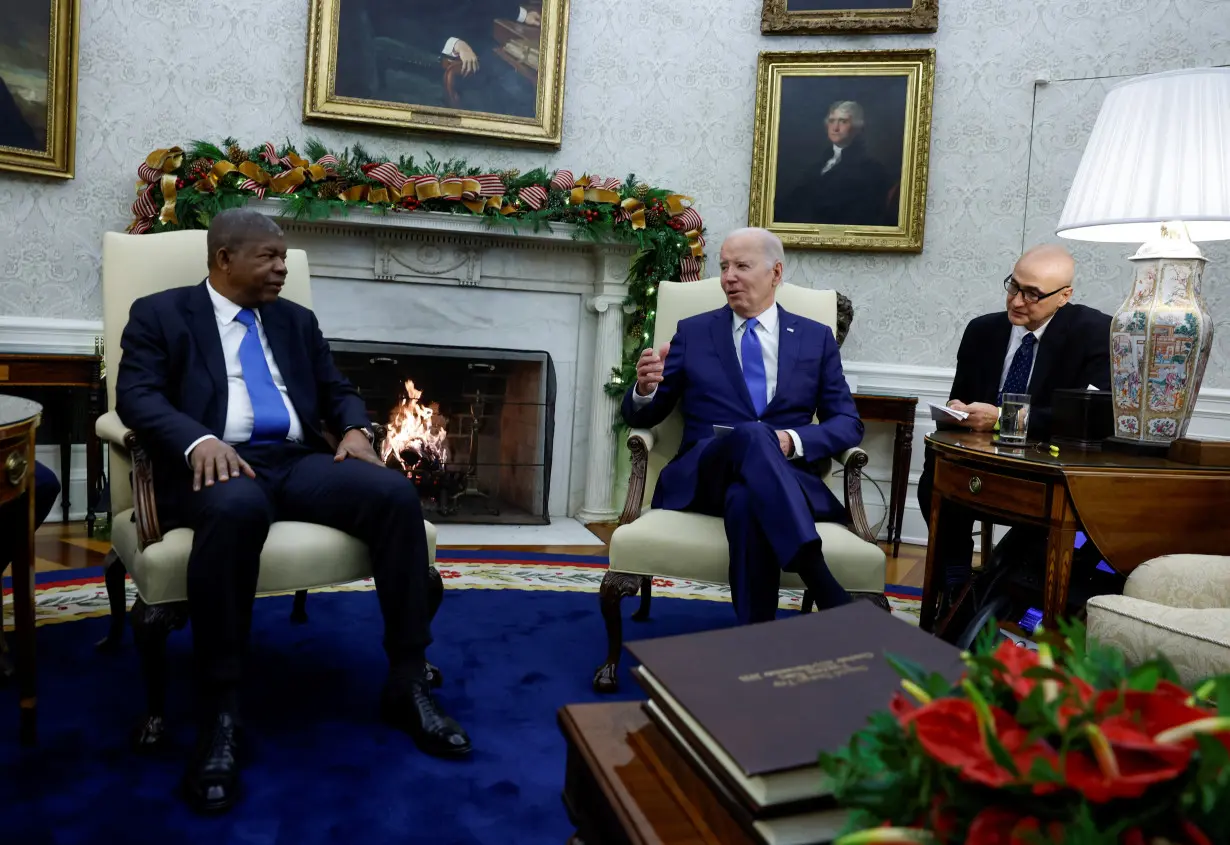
753, 367
270, 419
1017, 380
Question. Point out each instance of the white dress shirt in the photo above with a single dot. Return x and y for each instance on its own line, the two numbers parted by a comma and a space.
450, 46
238, 403
832, 162
1014, 343
767, 332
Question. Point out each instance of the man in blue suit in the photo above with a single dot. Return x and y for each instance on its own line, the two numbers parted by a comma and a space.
764, 373
234, 389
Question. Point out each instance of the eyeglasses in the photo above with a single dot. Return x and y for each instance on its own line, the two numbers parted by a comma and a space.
1030, 295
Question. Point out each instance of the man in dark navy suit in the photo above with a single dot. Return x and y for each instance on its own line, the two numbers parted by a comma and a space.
234, 389
765, 373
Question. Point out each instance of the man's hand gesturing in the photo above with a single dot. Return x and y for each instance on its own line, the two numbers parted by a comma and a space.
649, 369
212, 459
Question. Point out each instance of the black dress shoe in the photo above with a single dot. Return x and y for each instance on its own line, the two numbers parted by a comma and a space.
414, 711
211, 784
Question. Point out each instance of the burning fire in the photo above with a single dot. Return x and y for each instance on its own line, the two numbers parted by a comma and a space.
415, 429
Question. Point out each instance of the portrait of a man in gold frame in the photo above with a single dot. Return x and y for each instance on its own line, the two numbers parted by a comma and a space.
848, 17
486, 68
38, 87
841, 146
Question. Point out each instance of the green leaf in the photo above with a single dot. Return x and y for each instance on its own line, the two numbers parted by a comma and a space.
1144, 677
1000, 755
1043, 771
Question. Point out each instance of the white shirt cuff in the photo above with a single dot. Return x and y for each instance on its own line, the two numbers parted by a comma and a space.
524, 14
195, 443
640, 401
450, 47
798, 444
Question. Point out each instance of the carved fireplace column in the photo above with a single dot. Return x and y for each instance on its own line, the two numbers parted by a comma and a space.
600, 460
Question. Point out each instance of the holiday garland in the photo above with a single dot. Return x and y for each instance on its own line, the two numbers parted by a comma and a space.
184, 189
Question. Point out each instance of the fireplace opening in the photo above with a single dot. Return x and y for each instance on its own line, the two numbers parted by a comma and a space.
472, 428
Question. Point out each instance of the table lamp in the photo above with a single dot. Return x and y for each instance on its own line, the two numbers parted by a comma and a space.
1156, 171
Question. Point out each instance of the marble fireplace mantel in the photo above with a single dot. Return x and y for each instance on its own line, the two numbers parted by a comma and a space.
523, 270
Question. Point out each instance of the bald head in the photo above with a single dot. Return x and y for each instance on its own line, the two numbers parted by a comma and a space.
1040, 284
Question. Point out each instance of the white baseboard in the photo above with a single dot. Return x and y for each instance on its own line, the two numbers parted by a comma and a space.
1210, 419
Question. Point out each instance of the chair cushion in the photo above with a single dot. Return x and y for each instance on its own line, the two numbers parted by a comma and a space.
296, 556
1195, 641
676, 544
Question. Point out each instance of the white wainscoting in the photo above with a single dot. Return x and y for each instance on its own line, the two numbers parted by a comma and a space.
49, 337
931, 384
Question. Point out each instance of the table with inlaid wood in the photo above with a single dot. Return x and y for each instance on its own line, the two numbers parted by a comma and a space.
1133, 507
899, 410
19, 418
67, 385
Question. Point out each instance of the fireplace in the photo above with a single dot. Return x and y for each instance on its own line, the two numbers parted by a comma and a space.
473, 428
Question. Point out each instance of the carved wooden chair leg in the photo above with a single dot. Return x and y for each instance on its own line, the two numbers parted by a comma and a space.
435, 591
114, 574
298, 613
808, 602
616, 586
642, 612
150, 628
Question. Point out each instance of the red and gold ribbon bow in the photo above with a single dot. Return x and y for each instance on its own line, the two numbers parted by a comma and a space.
158, 169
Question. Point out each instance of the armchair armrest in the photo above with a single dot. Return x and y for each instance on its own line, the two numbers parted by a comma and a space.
640, 443
111, 429
854, 460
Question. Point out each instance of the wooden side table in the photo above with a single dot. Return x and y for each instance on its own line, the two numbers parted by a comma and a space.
900, 410
65, 380
19, 418
625, 783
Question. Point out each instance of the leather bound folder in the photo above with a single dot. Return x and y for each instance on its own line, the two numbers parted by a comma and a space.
759, 702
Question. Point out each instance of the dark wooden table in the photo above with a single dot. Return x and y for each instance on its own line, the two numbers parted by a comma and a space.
19, 418
1132, 507
900, 410
64, 383
626, 784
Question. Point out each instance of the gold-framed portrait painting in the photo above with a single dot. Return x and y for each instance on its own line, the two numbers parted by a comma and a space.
848, 17
38, 86
487, 68
841, 147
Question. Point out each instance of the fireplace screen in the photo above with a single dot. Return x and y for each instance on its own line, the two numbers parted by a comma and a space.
472, 428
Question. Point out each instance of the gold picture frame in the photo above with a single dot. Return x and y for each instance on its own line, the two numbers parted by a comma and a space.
379, 63
38, 87
841, 147
848, 17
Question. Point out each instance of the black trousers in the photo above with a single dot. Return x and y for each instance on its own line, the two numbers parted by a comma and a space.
231, 520
46, 489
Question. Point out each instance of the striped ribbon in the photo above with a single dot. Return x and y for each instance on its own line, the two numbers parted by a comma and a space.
535, 196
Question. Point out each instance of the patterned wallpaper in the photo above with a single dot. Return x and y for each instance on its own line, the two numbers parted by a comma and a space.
666, 90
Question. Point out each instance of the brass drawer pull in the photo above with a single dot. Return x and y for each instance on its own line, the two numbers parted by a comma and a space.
15, 466
975, 485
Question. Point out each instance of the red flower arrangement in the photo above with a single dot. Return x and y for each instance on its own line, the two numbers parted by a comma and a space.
1064, 745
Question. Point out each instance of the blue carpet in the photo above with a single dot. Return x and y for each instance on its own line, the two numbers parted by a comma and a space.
322, 768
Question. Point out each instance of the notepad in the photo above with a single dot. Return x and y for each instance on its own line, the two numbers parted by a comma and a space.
942, 413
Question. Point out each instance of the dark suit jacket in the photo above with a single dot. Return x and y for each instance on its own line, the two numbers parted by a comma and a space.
703, 376
853, 192
15, 130
171, 385
1074, 353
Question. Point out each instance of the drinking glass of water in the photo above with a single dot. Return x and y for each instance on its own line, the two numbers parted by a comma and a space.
1014, 418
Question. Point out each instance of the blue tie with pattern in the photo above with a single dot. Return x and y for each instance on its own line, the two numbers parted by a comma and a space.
270, 419
1017, 380
753, 367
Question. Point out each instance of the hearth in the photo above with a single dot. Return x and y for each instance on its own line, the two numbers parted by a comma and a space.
472, 428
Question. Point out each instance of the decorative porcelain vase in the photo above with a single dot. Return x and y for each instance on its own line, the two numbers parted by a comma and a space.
1159, 343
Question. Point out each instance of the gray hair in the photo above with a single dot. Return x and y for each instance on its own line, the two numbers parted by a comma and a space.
774, 252
234, 228
850, 109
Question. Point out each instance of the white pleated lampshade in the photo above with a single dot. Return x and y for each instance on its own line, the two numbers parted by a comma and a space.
1159, 152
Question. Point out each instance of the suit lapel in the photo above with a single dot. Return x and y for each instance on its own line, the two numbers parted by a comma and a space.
724, 341
994, 361
1048, 350
787, 350
205, 332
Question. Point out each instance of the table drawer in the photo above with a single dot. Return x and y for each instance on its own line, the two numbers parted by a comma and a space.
16, 466
984, 489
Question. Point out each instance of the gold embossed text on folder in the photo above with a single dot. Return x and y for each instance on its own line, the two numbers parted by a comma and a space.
821, 670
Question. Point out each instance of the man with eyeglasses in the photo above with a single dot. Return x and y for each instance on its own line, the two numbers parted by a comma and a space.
1043, 342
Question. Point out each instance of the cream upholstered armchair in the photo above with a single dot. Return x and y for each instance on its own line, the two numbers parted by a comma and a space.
297, 556
674, 544
1177, 606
